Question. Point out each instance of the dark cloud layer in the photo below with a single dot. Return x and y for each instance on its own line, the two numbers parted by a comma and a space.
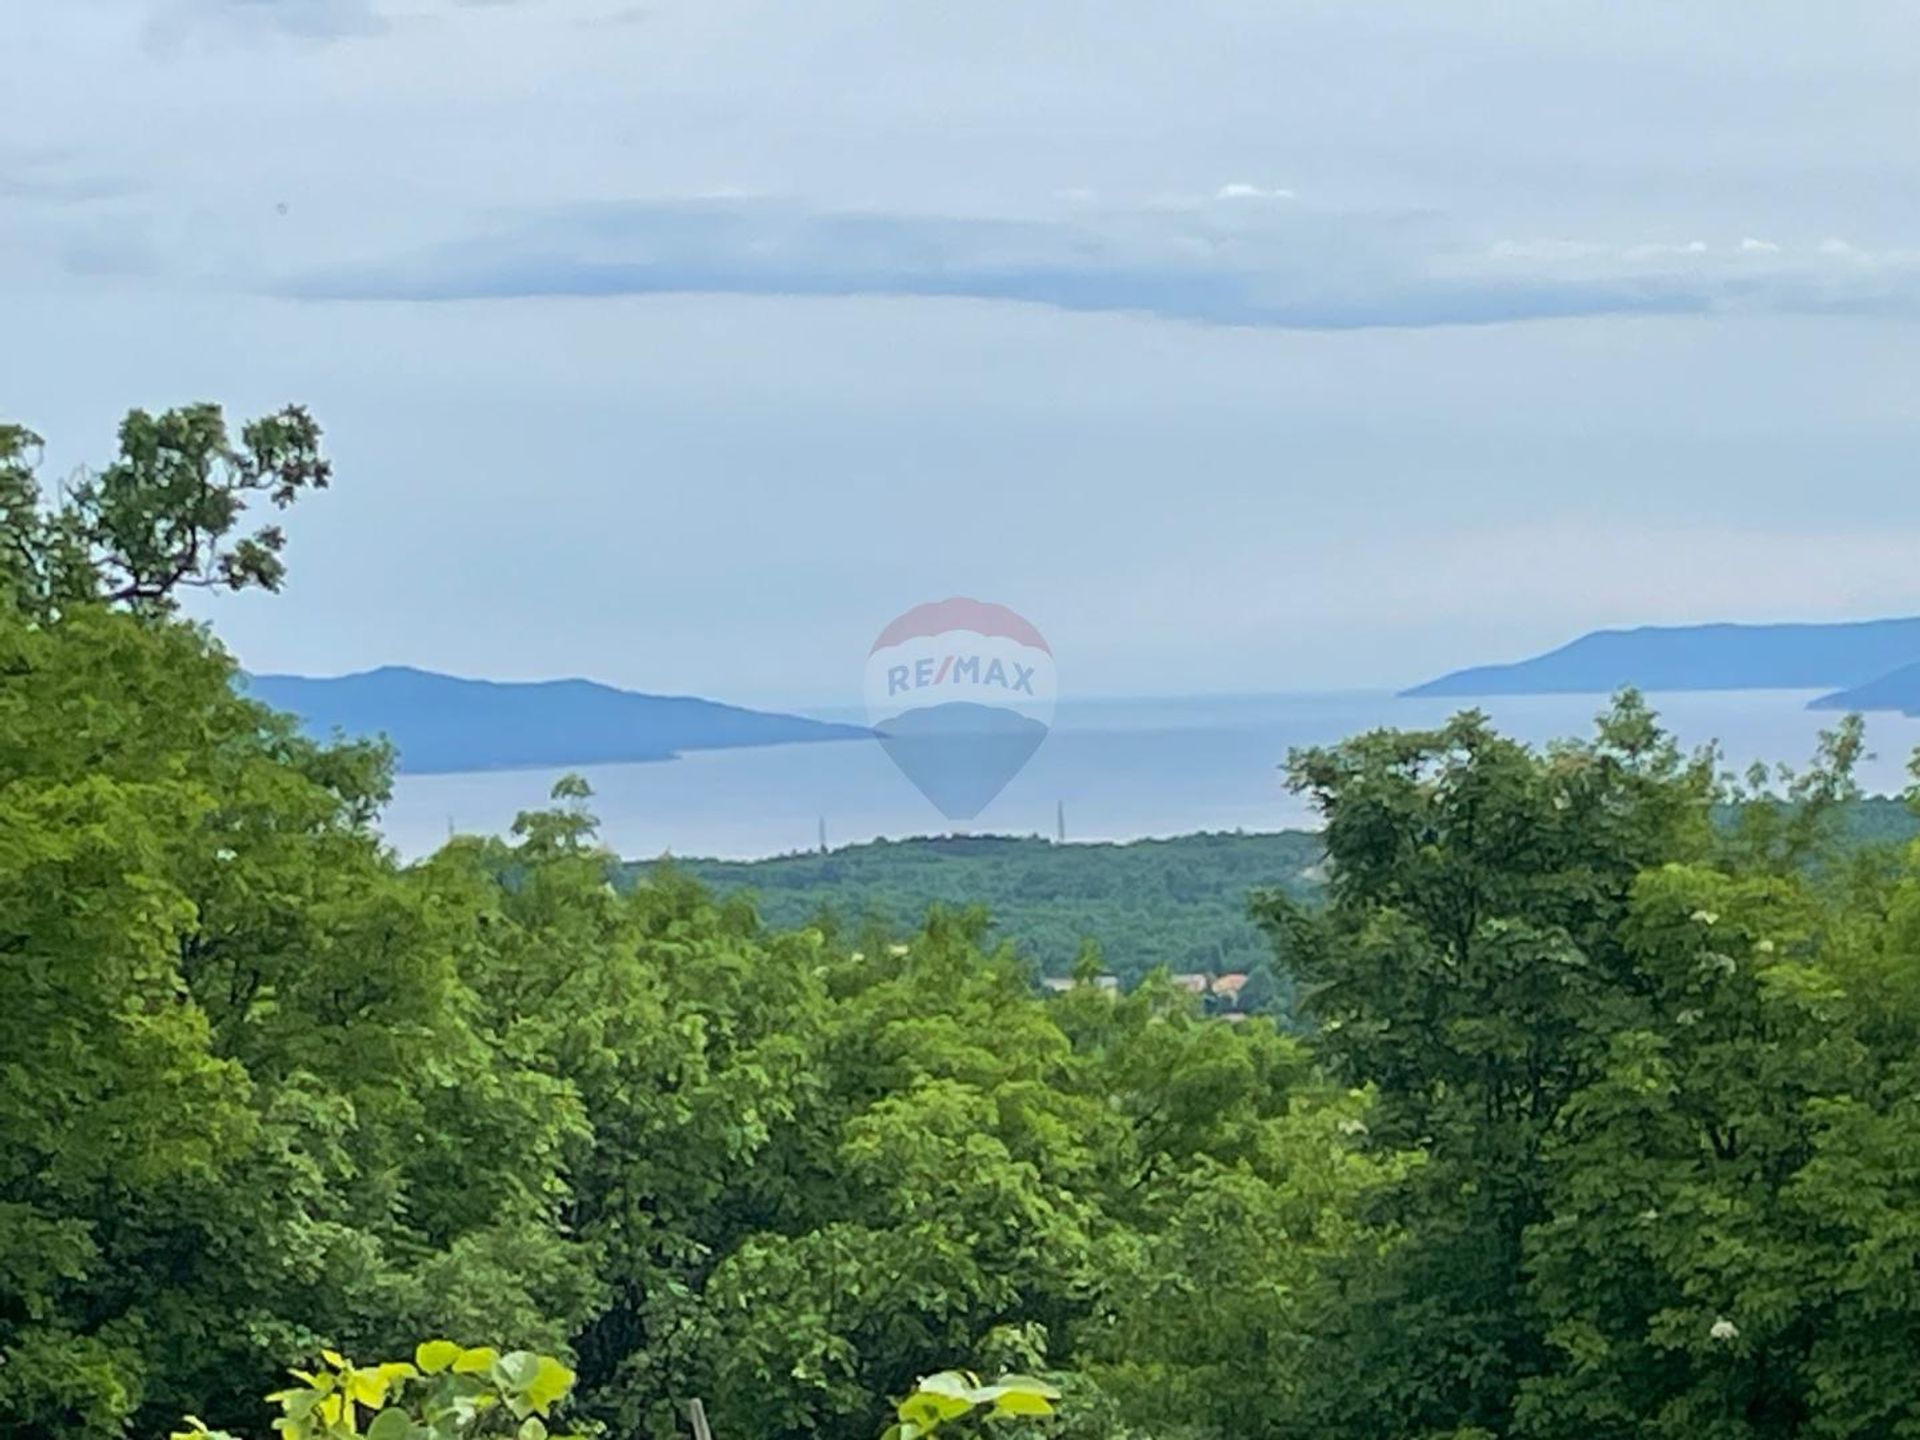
1242, 258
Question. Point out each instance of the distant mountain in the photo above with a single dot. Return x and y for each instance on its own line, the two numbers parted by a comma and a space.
1700, 657
1896, 690
442, 723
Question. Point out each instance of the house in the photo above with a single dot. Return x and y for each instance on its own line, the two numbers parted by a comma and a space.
1060, 984
1227, 988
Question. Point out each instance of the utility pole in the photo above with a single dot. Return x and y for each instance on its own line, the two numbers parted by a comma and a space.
823, 834
1060, 820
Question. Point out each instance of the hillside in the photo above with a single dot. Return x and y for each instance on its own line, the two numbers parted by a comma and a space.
1896, 690
1699, 657
443, 723
1181, 903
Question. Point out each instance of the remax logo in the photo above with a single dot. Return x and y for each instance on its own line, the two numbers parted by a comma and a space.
961, 694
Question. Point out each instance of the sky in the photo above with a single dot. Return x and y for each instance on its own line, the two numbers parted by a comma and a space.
1242, 347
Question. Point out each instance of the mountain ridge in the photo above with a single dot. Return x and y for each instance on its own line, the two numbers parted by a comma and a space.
442, 724
1896, 690
1723, 655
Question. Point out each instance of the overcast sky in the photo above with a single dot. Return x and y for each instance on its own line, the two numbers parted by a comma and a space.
1240, 346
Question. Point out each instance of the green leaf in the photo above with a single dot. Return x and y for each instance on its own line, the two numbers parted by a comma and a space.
369, 1387
532, 1429
477, 1361
392, 1423
519, 1369
433, 1356
551, 1381
1021, 1402
297, 1403
1026, 1385
947, 1382
1018, 1395
927, 1410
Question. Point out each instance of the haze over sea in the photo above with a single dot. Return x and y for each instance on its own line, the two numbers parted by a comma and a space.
1124, 770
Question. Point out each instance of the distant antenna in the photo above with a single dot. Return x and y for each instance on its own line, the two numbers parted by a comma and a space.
823, 834
1060, 820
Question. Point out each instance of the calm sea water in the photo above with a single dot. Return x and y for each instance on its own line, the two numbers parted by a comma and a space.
1123, 769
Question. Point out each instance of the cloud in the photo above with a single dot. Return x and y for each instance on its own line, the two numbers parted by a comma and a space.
182, 20
56, 209
177, 21
1225, 260
61, 190
56, 178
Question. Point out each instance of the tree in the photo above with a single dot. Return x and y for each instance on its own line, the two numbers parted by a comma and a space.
161, 517
1634, 1053
1468, 965
261, 1109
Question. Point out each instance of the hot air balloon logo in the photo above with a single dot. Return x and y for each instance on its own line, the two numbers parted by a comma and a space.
961, 694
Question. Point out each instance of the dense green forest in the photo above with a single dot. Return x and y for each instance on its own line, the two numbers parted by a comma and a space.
1605, 1121
1179, 904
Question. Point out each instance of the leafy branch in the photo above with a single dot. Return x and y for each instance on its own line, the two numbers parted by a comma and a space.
447, 1392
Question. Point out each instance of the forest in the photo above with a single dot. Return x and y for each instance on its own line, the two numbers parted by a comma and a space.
1177, 904
1600, 1116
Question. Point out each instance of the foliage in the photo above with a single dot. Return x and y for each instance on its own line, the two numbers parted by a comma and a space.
244, 1074
941, 1404
289, 1094
1177, 904
1605, 1124
161, 517
446, 1392
1658, 1068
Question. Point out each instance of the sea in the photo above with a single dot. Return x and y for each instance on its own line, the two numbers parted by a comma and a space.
1109, 770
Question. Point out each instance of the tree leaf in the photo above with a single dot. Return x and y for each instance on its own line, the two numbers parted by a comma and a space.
519, 1369
551, 1381
477, 1361
1022, 1402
